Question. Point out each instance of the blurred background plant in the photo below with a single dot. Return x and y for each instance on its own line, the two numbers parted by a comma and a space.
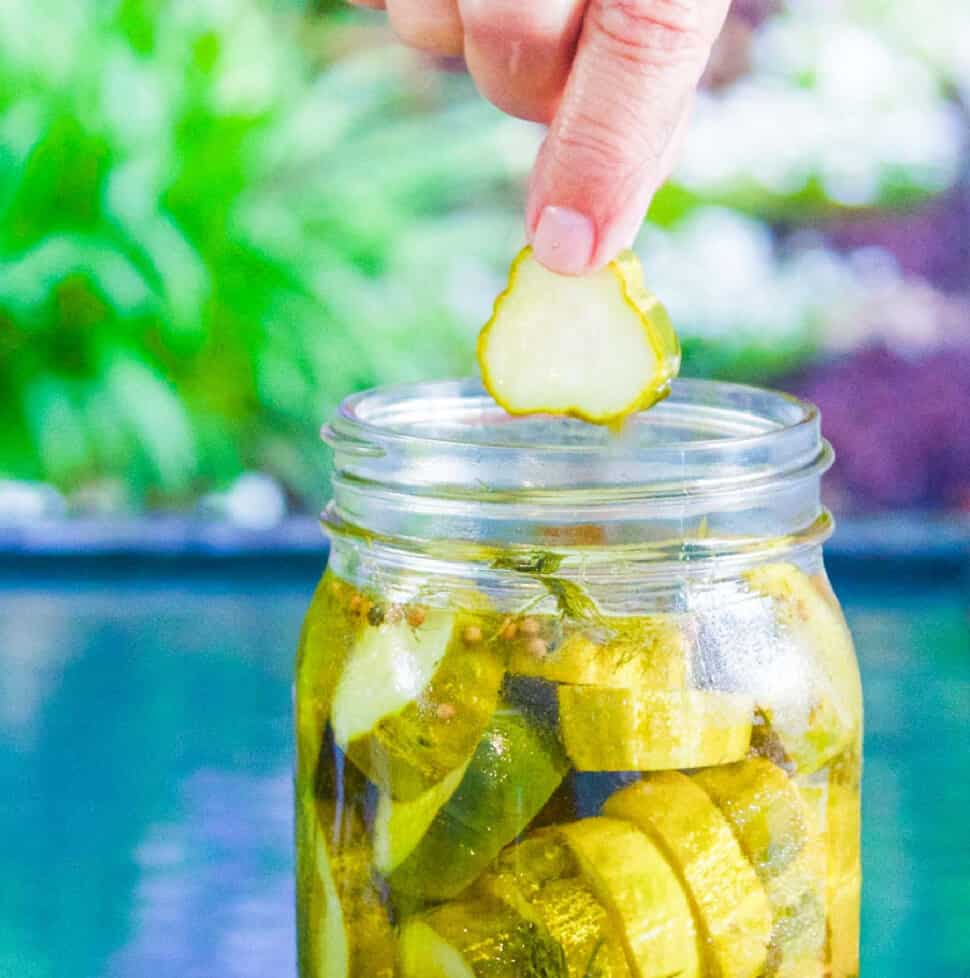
218, 217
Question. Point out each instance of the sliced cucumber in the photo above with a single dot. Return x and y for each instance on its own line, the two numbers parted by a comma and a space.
607, 729
649, 652
778, 832
732, 909
400, 825
840, 803
765, 809
345, 931
477, 940
823, 716
540, 878
515, 769
797, 900
412, 703
597, 346
634, 881
326, 640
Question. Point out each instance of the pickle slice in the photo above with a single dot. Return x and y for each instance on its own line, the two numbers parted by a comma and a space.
778, 833
514, 771
540, 878
597, 347
328, 634
635, 883
412, 703
827, 717
400, 825
640, 653
477, 940
839, 800
607, 729
765, 810
348, 933
731, 905
797, 899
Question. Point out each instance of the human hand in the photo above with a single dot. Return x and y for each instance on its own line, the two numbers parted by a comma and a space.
613, 79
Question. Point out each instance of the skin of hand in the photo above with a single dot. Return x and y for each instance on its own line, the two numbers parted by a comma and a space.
614, 81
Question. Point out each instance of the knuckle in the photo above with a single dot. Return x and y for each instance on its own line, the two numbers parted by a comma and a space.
505, 20
651, 31
599, 149
422, 36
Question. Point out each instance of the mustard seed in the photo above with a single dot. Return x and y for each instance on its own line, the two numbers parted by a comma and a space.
508, 631
530, 627
537, 648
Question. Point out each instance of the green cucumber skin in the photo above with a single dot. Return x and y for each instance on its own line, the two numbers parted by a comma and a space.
514, 771
409, 752
484, 939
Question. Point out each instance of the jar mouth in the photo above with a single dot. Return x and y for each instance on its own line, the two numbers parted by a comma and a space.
715, 468
451, 438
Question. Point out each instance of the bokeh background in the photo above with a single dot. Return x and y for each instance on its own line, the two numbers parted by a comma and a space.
219, 217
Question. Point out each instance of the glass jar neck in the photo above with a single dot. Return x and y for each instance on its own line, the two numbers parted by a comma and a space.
716, 472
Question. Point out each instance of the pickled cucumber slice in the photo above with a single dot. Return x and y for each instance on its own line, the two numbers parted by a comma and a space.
412, 703
607, 729
732, 909
797, 899
843, 873
348, 934
400, 825
635, 883
477, 940
778, 833
827, 717
764, 808
540, 878
515, 769
640, 653
596, 347
327, 637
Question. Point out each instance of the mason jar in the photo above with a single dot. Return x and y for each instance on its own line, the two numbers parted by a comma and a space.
577, 704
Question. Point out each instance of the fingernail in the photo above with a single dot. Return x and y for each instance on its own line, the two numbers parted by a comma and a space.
564, 240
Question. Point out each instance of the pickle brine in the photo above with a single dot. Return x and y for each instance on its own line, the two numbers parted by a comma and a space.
557, 792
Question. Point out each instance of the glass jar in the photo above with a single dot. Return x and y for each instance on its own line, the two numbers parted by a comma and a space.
573, 704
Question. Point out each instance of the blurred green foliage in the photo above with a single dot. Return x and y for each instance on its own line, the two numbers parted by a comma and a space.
202, 244
219, 217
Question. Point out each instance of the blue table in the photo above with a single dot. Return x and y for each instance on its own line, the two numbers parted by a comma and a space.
145, 769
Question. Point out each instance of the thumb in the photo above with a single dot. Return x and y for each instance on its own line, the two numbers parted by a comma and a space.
609, 146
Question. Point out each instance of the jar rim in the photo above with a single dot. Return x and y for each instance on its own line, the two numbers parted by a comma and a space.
441, 460
718, 422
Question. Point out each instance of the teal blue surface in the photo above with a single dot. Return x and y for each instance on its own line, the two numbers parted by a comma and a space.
145, 789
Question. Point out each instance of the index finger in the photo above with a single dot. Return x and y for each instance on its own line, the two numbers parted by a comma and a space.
636, 69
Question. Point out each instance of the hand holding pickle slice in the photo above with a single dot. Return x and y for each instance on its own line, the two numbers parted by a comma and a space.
596, 347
